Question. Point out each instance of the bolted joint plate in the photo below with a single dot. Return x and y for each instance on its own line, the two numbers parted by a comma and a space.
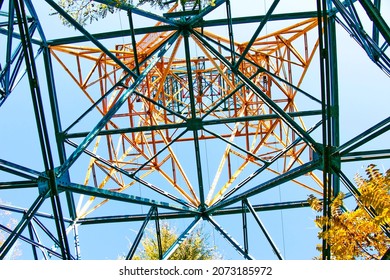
194, 124
49, 177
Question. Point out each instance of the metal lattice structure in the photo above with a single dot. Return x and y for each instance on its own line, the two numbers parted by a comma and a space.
181, 121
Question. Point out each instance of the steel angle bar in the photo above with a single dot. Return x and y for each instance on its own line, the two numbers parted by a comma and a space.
263, 96
31, 232
260, 69
34, 85
34, 15
249, 153
257, 32
256, 19
137, 239
263, 229
127, 130
263, 207
92, 107
193, 119
160, 152
375, 30
266, 165
245, 227
366, 155
21, 170
71, 20
207, 10
18, 184
133, 218
23, 223
185, 215
4, 75
107, 194
230, 239
361, 139
264, 117
168, 253
133, 41
283, 178
57, 125
134, 177
281, 113
31, 242
375, 16
230, 30
47, 231
21, 210
158, 235
111, 34
123, 98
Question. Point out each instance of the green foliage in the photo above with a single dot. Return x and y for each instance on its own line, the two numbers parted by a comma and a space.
355, 234
87, 11
194, 247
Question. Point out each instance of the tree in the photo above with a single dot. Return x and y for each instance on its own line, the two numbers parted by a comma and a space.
194, 247
357, 234
7, 222
87, 11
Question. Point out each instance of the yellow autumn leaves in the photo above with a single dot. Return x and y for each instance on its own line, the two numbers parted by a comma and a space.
358, 234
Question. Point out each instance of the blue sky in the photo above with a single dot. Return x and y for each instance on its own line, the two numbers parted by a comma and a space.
364, 102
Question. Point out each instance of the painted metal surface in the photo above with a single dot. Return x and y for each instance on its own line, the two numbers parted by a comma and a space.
183, 119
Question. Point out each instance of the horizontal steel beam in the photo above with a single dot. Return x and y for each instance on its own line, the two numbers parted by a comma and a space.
185, 124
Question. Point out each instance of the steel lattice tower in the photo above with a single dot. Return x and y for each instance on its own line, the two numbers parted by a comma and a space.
176, 117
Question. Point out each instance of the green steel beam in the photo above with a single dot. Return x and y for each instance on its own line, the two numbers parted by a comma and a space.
361, 139
135, 178
18, 185
31, 242
263, 229
20, 210
185, 215
31, 232
229, 239
140, 233
117, 196
90, 37
261, 69
57, 122
366, 155
186, 125
265, 166
230, 30
326, 96
283, 178
168, 253
263, 96
256, 33
129, 7
165, 28
376, 17
122, 99
23, 223
194, 120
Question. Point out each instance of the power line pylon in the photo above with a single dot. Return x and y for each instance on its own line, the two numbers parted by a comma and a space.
182, 121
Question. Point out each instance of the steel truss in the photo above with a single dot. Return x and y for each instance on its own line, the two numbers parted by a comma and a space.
188, 135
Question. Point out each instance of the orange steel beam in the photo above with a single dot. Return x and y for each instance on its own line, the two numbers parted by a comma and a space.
163, 98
